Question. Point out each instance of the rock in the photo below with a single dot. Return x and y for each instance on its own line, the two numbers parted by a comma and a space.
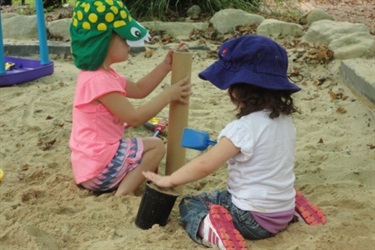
360, 74
315, 15
347, 40
224, 21
8, 15
59, 29
20, 27
194, 12
275, 28
175, 29
353, 45
325, 31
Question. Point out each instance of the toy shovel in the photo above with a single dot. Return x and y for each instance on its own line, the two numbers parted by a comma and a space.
157, 125
195, 139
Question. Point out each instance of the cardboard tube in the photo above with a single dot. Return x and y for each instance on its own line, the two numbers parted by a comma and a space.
178, 115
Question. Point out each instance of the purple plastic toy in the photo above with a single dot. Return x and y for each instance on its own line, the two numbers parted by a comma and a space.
24, 70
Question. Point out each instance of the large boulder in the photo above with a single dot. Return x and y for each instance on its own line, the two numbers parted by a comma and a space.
276, 28
176, 29
347, 40
225, 21
59, 29
20, 27
315, 15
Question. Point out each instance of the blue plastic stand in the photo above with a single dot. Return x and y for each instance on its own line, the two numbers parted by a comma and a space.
24, 70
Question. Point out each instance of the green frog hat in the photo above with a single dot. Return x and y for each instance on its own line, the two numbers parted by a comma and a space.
91, 29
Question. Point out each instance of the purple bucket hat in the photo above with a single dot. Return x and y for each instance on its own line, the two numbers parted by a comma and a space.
250, 59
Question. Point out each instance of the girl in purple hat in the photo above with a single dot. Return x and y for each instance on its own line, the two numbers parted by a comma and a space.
258, 147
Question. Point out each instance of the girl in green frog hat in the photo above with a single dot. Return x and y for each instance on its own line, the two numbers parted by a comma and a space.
102, 32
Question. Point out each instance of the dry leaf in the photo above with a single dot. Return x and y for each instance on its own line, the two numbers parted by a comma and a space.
341, 110
148, 52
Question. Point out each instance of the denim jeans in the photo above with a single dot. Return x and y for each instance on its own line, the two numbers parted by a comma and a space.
193, 209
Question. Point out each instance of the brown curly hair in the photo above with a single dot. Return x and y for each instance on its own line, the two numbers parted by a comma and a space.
249, 98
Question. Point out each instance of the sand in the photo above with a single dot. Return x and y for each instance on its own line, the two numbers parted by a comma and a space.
42, 208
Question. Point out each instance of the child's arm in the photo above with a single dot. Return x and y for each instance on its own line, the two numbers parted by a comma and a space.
199, 167
148, 83
120, 106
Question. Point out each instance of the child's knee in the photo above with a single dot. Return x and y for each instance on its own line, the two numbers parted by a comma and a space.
159, 146
155, 149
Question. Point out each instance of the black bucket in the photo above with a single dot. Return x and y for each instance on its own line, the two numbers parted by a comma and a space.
156, 206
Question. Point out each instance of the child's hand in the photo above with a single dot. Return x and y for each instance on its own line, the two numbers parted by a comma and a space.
168, 58
180, 91
158, 180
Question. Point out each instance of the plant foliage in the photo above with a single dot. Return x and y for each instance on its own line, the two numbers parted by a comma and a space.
174, 9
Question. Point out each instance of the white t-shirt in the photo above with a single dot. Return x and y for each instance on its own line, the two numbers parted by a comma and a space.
261, 176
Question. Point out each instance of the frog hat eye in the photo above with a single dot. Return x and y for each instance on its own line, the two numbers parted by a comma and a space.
135, 32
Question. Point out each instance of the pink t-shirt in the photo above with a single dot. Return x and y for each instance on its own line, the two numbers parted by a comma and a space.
96, 132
